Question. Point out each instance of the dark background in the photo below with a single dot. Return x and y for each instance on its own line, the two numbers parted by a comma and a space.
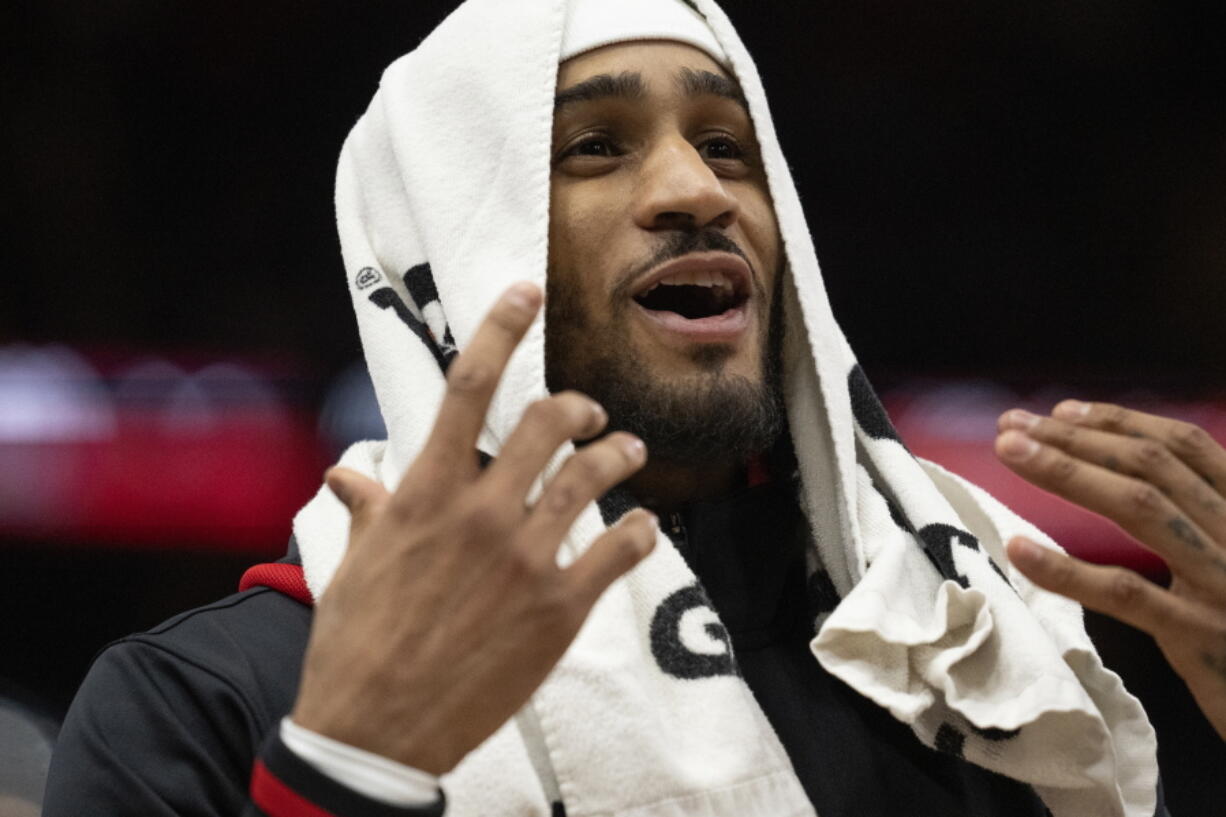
994, 187
1018, 191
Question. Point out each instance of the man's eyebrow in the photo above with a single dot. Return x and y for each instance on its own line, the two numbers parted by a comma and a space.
697, 83
626, 85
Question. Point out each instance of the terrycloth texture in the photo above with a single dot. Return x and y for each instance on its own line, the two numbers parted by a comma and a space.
593, 23
442, 202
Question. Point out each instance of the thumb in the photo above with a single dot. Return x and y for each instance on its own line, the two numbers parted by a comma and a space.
357, 492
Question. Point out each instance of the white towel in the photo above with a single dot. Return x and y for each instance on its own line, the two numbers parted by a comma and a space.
442, 202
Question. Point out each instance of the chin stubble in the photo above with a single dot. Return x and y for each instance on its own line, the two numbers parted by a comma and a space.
707, 418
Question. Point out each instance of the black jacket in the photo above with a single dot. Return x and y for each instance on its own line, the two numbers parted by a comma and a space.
173, 721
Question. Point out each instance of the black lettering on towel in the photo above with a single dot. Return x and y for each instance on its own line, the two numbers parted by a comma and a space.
938, 540
671, 653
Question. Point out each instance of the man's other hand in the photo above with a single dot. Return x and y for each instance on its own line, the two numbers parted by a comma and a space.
1164, 482
449, 608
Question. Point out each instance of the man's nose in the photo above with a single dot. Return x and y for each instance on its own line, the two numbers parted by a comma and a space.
680, 191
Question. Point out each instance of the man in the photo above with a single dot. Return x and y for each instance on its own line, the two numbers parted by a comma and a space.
828, 627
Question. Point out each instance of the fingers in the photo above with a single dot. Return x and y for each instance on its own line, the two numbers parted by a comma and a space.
1112, 590
588, 474
471, 381
620, 548
1145, 458
1134, 504
1190, 634
357, 492
1189, 442
544, 427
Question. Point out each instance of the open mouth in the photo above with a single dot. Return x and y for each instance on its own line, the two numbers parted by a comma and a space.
694, 294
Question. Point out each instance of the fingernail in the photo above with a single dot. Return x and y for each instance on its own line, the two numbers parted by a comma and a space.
337, 485
1017, 446
1071, 410
634, 448
1023, 550
599, 416
1020, 418
523, 296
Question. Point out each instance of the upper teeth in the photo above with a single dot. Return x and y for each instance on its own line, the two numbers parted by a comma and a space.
695, 278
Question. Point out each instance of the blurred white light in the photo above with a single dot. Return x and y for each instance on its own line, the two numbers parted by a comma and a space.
351, 411
50, 394
959, 411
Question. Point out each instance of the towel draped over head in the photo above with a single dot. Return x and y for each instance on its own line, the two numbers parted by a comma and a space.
442, 201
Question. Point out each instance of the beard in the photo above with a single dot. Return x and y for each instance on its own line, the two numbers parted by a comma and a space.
706, 418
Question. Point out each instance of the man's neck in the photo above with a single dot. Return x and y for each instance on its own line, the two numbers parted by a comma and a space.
664, 487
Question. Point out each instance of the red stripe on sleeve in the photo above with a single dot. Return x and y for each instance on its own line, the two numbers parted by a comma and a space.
276, 799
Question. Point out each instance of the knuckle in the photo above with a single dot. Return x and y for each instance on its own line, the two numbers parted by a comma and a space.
563, 494
485, 518
624, 551
566, 413
1062, 469
1063, 435
1113, 417
1190, 440
468, 377
526, 562
589, 469
1151, 455
1125, 590
1061, 574
1208, 499
579, 411
545, 412
507, 317
1146, 500
582, 479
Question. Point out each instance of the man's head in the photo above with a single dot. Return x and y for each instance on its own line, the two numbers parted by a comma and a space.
664, 252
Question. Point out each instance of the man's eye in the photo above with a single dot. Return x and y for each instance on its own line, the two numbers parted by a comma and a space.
599, 146
721, 148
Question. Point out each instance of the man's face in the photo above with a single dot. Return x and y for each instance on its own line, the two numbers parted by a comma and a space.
664, 250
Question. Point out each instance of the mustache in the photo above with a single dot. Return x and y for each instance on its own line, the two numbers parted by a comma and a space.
677, 244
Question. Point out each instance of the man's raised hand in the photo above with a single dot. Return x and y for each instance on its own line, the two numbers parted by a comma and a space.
449, 608
1164, 482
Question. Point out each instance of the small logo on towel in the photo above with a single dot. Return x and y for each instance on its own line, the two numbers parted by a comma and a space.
367, 277
428, 322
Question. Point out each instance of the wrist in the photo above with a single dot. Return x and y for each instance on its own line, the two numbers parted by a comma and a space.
368, 732
368, 774
284, 783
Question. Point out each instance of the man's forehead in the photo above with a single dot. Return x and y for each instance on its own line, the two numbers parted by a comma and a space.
630, 70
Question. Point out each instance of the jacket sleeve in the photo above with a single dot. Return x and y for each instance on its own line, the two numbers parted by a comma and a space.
155, 734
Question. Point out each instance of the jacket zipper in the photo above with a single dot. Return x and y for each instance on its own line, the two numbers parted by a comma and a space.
677, 532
